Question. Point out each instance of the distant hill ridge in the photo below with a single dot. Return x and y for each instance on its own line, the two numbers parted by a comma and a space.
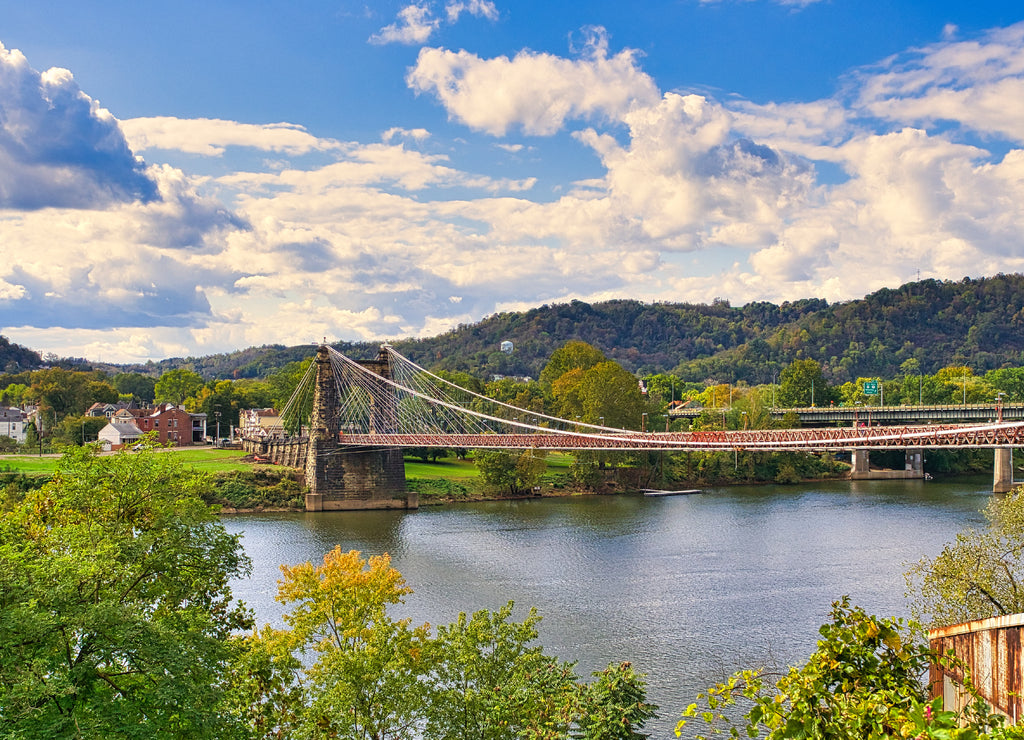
973, 322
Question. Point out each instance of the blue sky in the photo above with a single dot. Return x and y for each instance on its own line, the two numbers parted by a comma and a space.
188, 178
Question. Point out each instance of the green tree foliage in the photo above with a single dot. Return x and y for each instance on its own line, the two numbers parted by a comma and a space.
516, 471
1008, 380
62, 392
570, 356
115, 612
175, 386
14, 357
362, 682
980, 574
489, 683
614, 706
342, 668
862, 683
585, 386
802, 383
14, 395
77, 430
283, 385
141, 387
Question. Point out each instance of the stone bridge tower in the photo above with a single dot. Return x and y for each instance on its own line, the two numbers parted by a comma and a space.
346, 478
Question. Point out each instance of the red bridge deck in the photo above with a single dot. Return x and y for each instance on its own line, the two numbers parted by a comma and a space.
843, 438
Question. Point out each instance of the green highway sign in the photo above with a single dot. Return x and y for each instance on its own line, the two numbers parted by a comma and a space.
870, 387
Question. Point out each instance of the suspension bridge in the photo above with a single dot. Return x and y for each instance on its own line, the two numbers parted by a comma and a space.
348, 422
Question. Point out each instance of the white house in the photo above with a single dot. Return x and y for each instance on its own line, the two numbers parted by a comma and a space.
12, 424
117, 434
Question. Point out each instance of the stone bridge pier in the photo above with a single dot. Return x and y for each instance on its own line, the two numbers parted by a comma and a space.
345, 478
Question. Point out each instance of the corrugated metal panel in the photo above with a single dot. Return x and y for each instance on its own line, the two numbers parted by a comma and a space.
990, 649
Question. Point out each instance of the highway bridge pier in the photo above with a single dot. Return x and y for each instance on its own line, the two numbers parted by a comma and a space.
860, 468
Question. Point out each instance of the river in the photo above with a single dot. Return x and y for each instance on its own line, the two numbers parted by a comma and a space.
687, 588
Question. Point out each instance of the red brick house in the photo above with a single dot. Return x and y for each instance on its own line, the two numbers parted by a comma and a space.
173, 424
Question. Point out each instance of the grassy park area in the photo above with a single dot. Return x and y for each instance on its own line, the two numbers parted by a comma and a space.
243, 485
208, 459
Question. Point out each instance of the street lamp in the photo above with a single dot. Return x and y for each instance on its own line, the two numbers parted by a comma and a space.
217, 414
999, 406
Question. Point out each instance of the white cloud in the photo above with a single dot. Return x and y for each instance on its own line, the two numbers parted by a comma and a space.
479, 8
685, 175
538, 92
210, 137
977, 83
396, 132
58, 147
695, 198
415, 24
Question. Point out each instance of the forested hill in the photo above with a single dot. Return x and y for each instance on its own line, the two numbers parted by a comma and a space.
14, 358
979, 323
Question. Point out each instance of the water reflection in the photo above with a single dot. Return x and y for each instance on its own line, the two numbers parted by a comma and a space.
687, 588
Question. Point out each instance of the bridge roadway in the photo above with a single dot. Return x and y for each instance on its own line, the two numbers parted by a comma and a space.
950, 436
870, 415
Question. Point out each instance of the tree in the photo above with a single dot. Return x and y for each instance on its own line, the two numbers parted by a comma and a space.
980, 574
614, 706
489, 683
60, 393
862, 682
802, 383
141, 387
363, 681
284, 382
517, 471
604, 394
342, 668
1009, 380
77, 430
14, 395
175, 386
115, 612
570, 356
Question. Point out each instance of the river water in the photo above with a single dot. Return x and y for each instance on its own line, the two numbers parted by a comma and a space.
687, 588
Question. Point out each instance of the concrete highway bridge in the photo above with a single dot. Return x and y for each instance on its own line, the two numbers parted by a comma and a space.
816, 416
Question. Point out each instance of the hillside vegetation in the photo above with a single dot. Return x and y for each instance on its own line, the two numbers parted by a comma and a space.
973, 322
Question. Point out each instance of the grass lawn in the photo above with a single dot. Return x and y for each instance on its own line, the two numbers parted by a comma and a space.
29, 464
208, 459
450, 467
445, 467
215, 460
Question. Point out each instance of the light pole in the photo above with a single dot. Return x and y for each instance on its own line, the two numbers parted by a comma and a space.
999, 406
217, 414
643, 422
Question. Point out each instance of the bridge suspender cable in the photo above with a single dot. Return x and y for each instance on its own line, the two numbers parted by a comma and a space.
394, 353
